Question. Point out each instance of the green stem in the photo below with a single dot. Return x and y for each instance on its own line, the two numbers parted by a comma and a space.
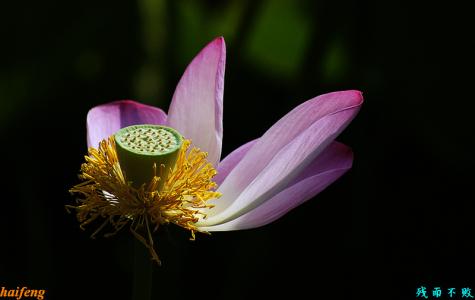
142, 272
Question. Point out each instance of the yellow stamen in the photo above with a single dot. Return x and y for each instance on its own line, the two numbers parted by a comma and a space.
106, 193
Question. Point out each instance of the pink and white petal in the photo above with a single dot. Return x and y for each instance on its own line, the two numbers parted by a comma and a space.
105, 120
196, 110
283, 152
328, 167
230, 161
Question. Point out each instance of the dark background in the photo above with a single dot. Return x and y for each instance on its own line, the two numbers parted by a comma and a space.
401, 218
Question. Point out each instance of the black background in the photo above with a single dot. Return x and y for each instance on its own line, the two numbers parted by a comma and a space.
401, 218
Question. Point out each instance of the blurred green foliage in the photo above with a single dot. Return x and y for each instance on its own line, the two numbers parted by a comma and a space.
279, 40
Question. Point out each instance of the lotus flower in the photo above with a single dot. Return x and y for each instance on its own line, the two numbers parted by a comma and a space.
261, 180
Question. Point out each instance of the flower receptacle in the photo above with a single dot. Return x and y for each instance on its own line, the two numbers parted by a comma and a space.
141, 147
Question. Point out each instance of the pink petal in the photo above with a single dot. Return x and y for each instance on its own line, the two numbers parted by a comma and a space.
228, 164
196, 110
283, 152
105, 120
329, 166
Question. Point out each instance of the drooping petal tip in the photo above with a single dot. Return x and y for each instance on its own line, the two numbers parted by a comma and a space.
358, 95
353, 98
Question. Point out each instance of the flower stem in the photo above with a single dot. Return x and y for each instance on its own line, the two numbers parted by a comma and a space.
142, 272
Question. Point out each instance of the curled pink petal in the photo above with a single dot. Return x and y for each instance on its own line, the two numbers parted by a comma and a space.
105, 120
329, 166
283, 152
228, 163
196, 110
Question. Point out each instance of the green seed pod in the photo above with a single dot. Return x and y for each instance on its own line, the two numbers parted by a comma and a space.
139, 147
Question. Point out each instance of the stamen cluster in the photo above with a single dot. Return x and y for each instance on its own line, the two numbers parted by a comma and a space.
105, 193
